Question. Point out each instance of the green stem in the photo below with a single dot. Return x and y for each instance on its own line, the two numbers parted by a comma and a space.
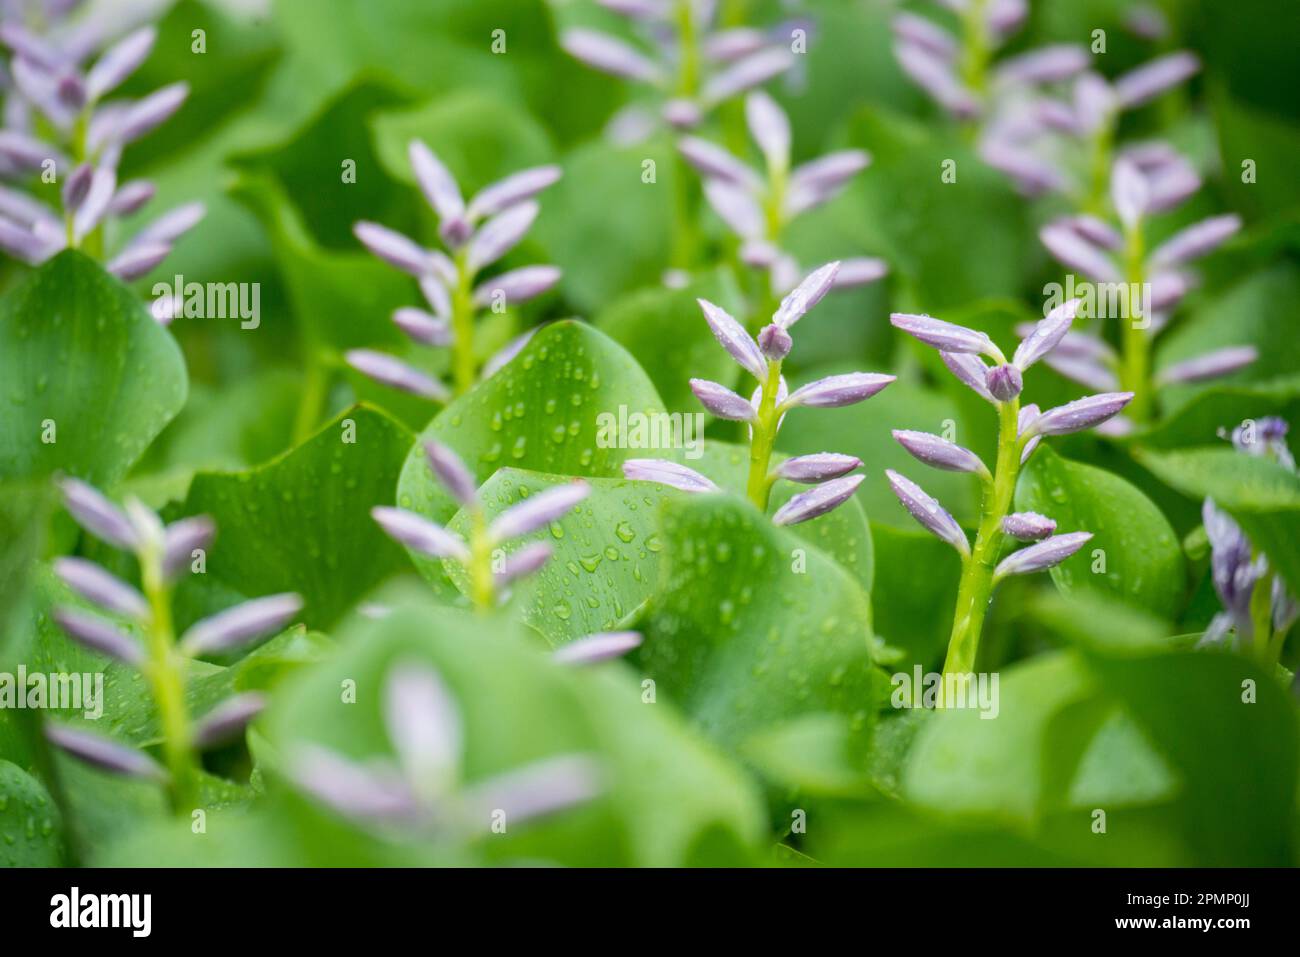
1135, 361
312, 398
976, 586
165, 670
464, 365
482, 582
1261, 617
976, 49
759, 487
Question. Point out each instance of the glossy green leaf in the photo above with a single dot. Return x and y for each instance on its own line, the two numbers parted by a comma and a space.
30, 822
90, 378
750, 627
1140, 560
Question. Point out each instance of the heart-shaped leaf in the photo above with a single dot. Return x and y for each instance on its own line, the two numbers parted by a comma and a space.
1134, 554
89, 377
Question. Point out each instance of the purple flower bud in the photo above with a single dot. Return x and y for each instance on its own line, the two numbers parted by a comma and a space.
1211, 365
513, 189
120, 61
77, 187
770, 128
104, 753
601, 646
28, 45
71, 91
151, 112
1044, 555
241, 624
818, 467
97, 585
228, 719
971, 370
524, 562
1151, 79
518, 285
180, 540
1080, 414
369, 793
434, 288
716, 163
939, 453
1046, 335
1084, 371
722, 402
926, 510
391, 372
774, 342
736, 207
838, 390
723, 46
752, 71
806, 295
681, 114
1094, 230
1196, 240
419, 534
818, 500
424, 725
448, 468
394, 248
609, 55
537, 789
436, 182
1004, 382
1028, 413
502, 356
1032, 174
1005, 16
923, 33
97, 515
94, 204
936, 76
860, 271
1167, 290
731, 335
172, 225
130, 197
820, 180
1077, 253
945, 336
667, 473
1129, 192
423, 327
1049, 64
538, 511
138, 260
27, 151
1028, 526
99, 635
501, 234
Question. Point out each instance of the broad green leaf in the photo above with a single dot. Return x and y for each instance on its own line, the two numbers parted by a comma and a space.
1261, 495
666, 331
1218, 409
813, 754
606, 552
750, 628
31, 833
605, 255
1143, 562
668, 797
302, 522
543, 411
90, 377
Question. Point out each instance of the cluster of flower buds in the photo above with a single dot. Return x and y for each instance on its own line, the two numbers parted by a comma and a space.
51, 92
1000, 384
693, 65
163, 552
476, 234
765, 410
421, 791
1045, 144
1144, 180
1238, 570
955, 70
483, 557
757, 207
